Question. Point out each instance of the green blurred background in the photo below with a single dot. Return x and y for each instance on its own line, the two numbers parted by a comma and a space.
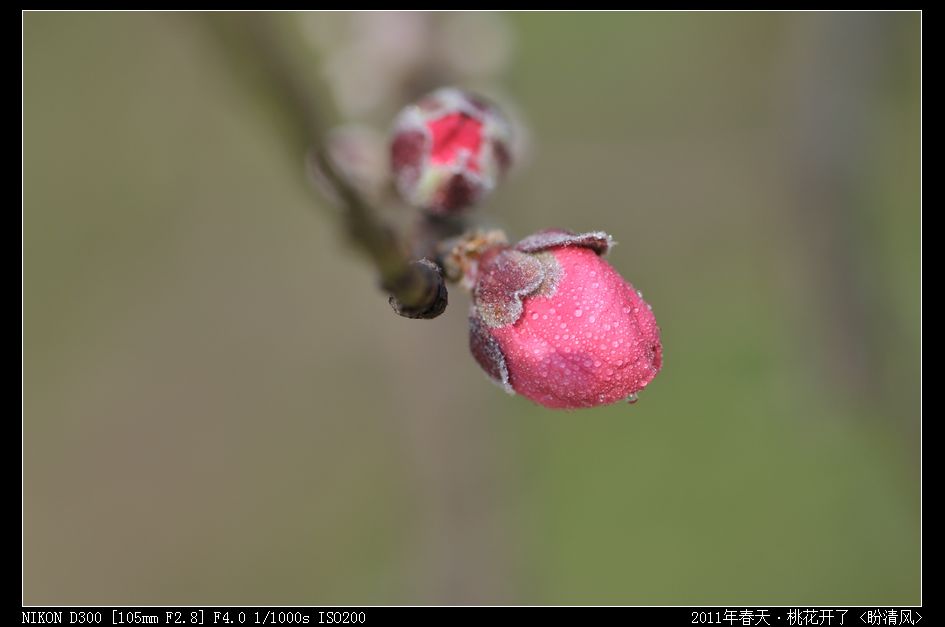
220, 407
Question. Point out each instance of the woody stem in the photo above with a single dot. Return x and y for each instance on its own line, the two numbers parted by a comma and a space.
267, 51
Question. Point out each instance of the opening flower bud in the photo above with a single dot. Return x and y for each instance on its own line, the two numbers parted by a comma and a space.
449, 150
553, 321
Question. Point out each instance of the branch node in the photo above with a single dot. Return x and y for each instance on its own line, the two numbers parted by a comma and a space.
431, 291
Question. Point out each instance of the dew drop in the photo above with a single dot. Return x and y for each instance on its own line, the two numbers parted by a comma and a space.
633, 398
534, 316
578, 313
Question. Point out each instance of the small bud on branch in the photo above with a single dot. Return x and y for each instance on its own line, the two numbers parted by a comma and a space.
449, 150
554, 322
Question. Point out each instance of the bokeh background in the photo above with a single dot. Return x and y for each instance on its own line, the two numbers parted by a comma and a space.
220, 407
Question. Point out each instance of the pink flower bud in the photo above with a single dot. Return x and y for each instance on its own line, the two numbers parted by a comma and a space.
554, 322
449, 150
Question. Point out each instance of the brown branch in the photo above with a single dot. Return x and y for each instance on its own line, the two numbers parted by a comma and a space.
260, 45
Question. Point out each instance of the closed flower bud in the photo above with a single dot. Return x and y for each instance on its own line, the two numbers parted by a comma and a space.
449, 150
553, 321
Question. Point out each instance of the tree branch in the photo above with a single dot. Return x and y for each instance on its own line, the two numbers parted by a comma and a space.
258, 42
